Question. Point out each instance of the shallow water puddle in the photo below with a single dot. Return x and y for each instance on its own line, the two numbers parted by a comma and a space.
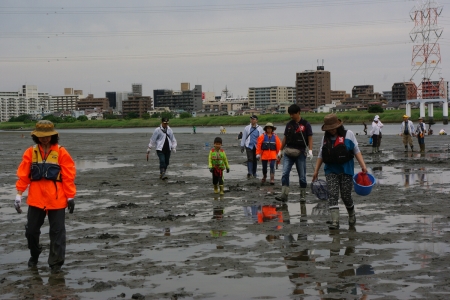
411, 176
83, 165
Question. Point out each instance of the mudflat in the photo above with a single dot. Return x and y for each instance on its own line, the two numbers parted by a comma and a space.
134, 236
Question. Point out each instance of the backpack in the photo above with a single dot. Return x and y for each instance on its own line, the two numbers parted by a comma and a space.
337, 153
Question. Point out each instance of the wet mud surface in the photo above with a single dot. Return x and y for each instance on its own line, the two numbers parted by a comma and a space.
133, 236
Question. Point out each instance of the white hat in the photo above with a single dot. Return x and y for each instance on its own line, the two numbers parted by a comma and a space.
376, 118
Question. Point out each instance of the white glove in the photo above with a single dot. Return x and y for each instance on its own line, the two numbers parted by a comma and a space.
310, 155
174, 150
280, 155
258, 157
148, 150
17, 203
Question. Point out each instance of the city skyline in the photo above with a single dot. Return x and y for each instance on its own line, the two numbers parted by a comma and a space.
105, 46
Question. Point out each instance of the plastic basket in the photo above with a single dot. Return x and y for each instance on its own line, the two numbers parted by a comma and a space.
320, 189
361, 189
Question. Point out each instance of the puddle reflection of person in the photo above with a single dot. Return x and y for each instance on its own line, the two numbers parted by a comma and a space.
218, 212
55, 288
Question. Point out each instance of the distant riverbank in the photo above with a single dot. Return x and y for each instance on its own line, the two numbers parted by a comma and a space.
351, 117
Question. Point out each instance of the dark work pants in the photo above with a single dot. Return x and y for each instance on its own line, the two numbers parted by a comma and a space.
164, 158
252, 163
57, 233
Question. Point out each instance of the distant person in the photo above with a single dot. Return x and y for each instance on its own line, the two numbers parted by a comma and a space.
380, 125
420, 133
267, 148
222, 129
194, 130
165, 143
297, 144
442, 132
407, 132
365, 128
375, 133
217, 163
48, 171
239, 136
248, 144
339, 166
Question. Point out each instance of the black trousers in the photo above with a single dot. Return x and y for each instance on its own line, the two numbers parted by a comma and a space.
57, 233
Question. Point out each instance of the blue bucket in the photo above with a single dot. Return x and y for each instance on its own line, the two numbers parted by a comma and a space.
361, 189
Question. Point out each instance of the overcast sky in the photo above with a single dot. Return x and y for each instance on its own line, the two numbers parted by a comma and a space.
106, 45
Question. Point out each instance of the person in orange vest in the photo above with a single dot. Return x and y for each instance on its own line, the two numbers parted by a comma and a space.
267, 147
48, 171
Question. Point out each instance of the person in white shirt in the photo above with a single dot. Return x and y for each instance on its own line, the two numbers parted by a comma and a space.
375, 132
164, 141
407, 132
379, 135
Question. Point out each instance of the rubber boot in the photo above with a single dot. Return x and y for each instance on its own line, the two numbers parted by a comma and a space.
351, 216
221, 190
263, 180
302, 195
412, 148
216, 189
334, 219
406, 148
378, 149
284, 194
422, 148
373, 150
272, 178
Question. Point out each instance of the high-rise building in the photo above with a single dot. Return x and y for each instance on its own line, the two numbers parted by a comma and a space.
188, 100
112, 99
313, 88
402, 91
91, 103
136, 89
263, 97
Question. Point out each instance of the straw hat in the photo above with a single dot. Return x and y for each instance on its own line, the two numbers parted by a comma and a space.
405, 116
269, 125
420, 118
44, 128
330, 122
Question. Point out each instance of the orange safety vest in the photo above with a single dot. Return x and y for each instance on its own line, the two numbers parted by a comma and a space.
46, 193
268, 154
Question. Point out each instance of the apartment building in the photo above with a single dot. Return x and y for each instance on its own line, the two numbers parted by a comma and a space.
264, 97
137, 104
313, 88
25, 101
339, 96
402, 91
90, 103
361, 90
187, 100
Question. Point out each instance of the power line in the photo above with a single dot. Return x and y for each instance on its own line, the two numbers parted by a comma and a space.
184, 8
196, 31
193, 54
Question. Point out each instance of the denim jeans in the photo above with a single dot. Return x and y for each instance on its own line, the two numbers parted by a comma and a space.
271, 164
300, 164
163, 159
252, 163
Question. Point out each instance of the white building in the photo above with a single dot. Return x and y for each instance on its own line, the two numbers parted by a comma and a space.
26, 101
263, 97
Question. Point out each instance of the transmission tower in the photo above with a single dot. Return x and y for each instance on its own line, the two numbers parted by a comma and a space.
426, 54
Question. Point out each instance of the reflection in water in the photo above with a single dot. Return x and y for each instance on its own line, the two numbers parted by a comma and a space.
299, 264
218, 212
55, 288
